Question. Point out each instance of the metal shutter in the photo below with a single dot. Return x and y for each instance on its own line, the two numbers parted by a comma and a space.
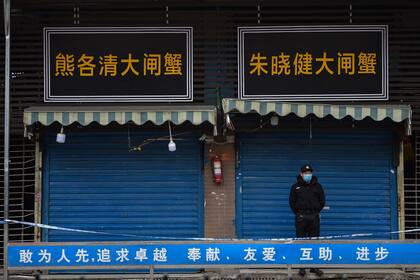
355, 169
93, 182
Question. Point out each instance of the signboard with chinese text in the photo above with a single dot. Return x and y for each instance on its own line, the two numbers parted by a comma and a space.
147, 64
131, 254
313, 63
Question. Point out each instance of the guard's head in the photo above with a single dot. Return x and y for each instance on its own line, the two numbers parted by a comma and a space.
306, 173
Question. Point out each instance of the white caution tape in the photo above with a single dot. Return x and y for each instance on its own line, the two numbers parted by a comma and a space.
94, 232
206, 239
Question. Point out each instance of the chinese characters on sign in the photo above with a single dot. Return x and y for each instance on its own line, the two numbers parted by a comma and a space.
313, 63
112, 66
118, 64
73, 255
304, 64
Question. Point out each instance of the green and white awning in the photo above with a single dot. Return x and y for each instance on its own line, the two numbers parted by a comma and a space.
397, 113
107, 114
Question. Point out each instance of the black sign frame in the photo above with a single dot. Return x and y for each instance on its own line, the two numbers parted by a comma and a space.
188, 97
382, 95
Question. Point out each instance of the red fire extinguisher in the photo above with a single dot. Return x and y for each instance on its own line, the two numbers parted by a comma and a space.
216, 164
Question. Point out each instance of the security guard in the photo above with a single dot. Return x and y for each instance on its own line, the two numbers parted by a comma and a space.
306, 200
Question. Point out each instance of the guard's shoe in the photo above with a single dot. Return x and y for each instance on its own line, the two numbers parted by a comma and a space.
302, 272
317, 271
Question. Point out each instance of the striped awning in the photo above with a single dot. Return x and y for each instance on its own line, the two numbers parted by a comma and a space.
107, 114
397, 113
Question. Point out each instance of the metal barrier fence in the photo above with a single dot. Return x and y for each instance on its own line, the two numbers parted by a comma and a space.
22, 182
412, 207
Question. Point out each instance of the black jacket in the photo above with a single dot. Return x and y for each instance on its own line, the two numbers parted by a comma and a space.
306, 198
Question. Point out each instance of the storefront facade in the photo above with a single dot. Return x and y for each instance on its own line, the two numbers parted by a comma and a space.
123, 179
115, 174
126, 174
357, 162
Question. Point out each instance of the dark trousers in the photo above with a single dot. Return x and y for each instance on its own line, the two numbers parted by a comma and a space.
307, 225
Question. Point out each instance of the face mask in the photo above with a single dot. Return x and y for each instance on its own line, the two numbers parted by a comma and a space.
307, 178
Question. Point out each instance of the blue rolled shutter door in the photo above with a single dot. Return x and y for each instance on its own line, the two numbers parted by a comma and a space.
355, 169
93, 182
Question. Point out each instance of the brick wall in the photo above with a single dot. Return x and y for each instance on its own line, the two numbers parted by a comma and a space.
220, 199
